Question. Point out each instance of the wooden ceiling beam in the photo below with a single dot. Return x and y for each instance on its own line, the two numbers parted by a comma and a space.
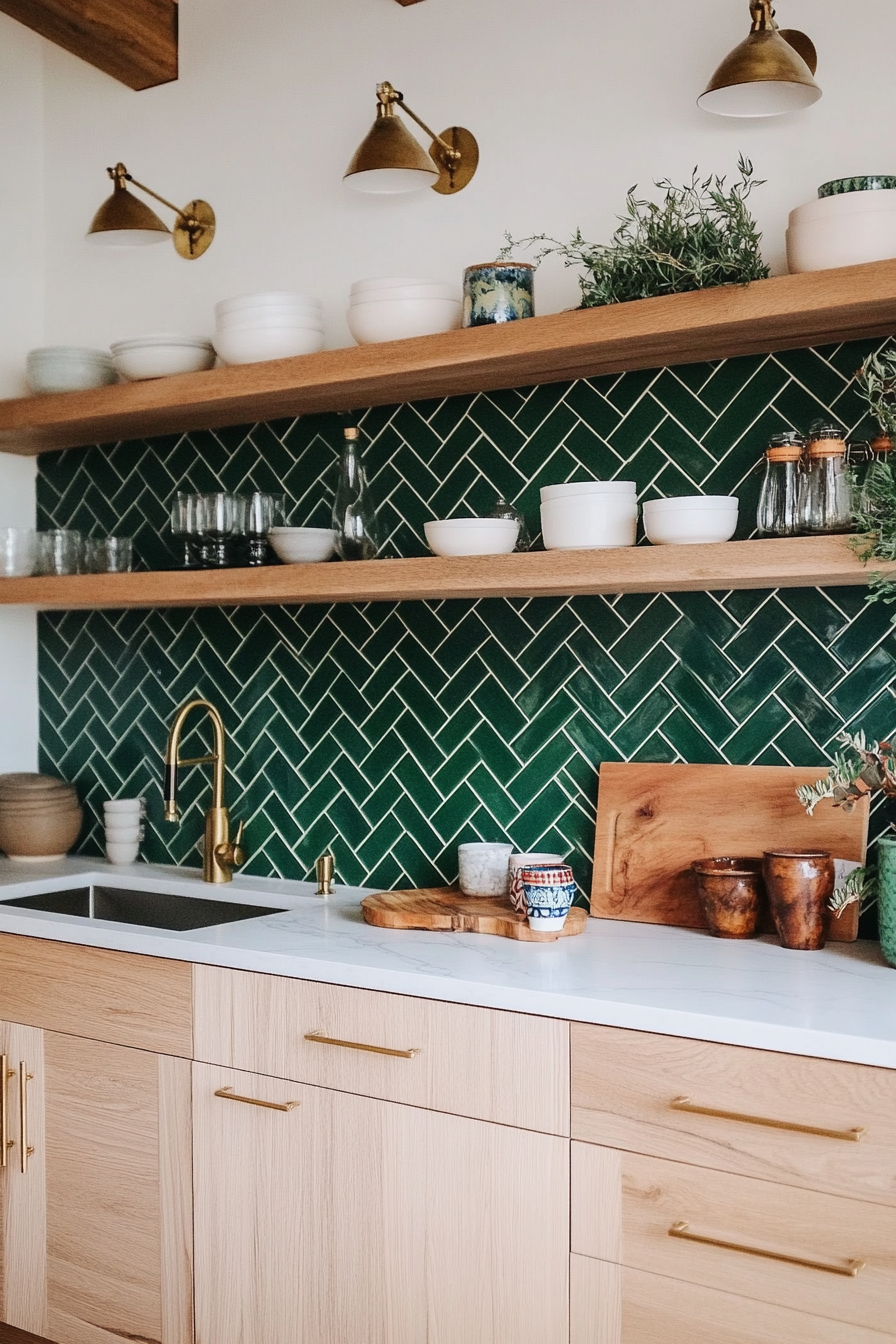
134, 41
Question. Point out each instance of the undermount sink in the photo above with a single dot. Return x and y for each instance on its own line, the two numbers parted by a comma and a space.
152, 909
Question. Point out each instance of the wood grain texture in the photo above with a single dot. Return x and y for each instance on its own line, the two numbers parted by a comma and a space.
176, 1198
653, 820
447, 910
119, 997
613, 1305
780, 314
790, 562
23, 1221
623, 1083
477, 1062
657, 1194
354, 1219
134, 41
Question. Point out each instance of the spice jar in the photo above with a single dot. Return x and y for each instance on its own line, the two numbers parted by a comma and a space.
866, 465
826, 502
778, 512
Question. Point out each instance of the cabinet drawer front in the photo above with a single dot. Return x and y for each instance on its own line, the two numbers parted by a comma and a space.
119, 997
612, 1305
777, 1244
443, 1056
629, 1088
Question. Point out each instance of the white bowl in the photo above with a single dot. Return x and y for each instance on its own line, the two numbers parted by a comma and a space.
820, 244
255, 344
845, 206
394, 282
68, 369
472, 536
122, 853
278, 299
576, 488
155, 357
302, 545
271, 322
589, 522
125, 834
124, 807
401, 319
690, 522
405, 292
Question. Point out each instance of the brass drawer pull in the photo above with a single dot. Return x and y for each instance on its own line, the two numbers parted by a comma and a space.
356, 1045
229, 1095
24, 1079
848, 1268
848, 1135
5, 1141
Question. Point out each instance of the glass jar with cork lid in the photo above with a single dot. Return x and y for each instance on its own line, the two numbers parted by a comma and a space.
778, 512
826, 502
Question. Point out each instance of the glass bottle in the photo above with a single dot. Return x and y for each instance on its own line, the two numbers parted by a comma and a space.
355, 531
826, 490
503, 509
875, 458
778, 512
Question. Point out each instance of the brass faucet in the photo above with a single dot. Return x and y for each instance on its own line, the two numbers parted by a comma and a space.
221, 854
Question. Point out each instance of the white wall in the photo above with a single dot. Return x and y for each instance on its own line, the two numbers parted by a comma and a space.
21, 326
572, 101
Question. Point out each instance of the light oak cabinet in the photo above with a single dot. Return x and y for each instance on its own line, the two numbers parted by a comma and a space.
323, 1217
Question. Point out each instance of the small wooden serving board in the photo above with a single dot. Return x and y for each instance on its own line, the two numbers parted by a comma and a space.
448, 910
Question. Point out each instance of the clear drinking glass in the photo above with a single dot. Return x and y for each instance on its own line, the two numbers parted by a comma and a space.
18, 552
110, 555
216, 516
261, 511
505, 510
184, 528
355, 531
778, 512
60, 551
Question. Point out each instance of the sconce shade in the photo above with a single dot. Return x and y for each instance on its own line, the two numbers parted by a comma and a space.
125, 221
768, 74
390, 161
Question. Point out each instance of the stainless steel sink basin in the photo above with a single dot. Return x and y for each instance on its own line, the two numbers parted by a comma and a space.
152, 909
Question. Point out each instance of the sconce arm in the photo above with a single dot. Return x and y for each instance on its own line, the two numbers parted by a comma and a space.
128, 177
397, 97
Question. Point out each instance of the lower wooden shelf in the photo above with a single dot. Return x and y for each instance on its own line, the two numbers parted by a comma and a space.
797, 562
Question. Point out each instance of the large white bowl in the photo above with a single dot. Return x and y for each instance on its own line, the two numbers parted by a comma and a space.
401, 319
272, 312
573, 489
271, 322
472, 536
378, 283
821, 244
846, 206
302, 545
253, 345
158, 357
690, 521
406, 292
277, 299
589, 522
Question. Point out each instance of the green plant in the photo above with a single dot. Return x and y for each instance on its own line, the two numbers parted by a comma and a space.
859, 769
875, 513
858, 888
699, 236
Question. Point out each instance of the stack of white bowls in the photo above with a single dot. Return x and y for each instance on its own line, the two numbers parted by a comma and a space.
162, 355
68, 368
396, 309
254, 327
586, 515
690, 520
123, 819
842, 230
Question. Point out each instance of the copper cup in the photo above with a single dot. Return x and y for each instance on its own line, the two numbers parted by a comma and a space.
800, 883
732, 894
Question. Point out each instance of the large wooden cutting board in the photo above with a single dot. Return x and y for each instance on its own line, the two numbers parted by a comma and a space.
654, 820
446, 909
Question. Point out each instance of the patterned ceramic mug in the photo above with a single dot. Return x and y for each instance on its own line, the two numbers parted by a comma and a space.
517, 863
550, 891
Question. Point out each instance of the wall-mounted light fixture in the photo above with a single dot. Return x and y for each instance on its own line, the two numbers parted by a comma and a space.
389, 160
124, 221
768, 74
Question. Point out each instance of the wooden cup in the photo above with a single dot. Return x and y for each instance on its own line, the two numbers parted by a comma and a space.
732, 894
799, 885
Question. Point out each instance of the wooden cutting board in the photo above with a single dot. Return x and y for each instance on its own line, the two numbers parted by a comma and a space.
654, 820
446, 909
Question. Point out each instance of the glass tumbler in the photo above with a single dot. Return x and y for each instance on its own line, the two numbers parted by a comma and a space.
261, 511
185, 528
110, 555
216, 516
60, 551
18, 552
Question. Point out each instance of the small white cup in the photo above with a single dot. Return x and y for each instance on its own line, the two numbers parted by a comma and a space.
116, 806
483, 868
122, 853
518, 861
126, 833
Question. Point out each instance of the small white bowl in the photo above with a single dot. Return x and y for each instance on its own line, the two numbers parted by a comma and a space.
575, 488
302, 545
589, 522
281, 299
472, 536
127, 806
273, 321
394, 282
253, 345
123, 835
402, 319
124, 853
433, 291
66, 368
162, 357
690, 521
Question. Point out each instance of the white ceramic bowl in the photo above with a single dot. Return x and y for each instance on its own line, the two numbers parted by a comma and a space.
277, 299
402, 319
302, 545
161, 357
589, 522
124, 834
576, 488
820, 244
122, 853
271, 322
846, 206
377, 284
252, 345
472, 536
405, 292
65, 368
690, 521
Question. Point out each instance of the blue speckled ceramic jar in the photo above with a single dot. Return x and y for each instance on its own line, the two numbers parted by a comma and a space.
498, 291
844, 186
886, 896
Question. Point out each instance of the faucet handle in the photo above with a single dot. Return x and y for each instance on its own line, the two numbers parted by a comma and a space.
232, 853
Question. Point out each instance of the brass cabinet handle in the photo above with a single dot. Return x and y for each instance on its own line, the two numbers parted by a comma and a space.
24, 1079
5, 1141
848, 1268
357, 1045
854, 1135
229, 1095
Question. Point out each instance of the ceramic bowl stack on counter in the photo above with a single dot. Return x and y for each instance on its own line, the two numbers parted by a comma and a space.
123, 821
254, 327
398, 309
472, 536
162, 355
68, 368
585, 515
40, 817
853, 221
691, 520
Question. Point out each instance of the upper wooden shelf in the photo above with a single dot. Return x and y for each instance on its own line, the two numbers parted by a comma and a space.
784, 313
798, 562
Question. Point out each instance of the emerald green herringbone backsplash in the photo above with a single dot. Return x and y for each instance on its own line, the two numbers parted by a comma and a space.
391, 732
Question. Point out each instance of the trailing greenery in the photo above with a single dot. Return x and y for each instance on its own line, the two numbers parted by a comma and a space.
858, 888
875, 512
859, 769
701, 235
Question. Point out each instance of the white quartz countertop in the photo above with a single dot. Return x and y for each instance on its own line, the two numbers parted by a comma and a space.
836, 1004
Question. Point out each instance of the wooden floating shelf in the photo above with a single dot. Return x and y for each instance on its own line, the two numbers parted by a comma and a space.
780, 314
799, 562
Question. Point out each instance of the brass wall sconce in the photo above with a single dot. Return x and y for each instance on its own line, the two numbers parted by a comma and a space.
768, 74
125, 221
389, 160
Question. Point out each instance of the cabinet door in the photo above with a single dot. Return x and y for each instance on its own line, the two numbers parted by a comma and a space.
323, 1218
23, 1226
